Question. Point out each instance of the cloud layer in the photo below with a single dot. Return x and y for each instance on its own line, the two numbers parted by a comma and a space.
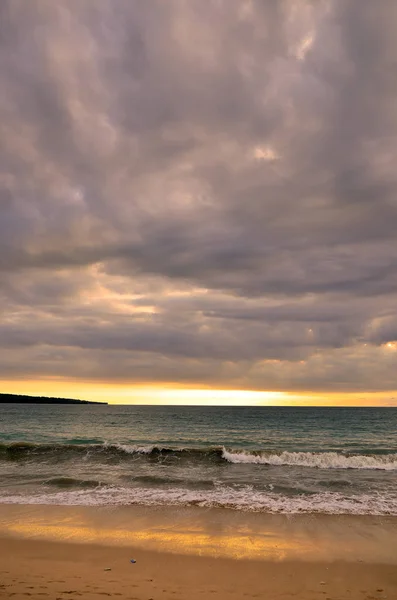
199, 192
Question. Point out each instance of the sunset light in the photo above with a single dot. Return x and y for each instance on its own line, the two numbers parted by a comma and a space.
198, 299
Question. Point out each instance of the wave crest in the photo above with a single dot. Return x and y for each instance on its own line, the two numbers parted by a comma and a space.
320, 460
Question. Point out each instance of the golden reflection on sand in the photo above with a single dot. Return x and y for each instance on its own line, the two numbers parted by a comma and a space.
247, 545
211, 533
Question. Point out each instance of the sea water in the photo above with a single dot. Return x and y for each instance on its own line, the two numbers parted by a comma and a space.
267, 459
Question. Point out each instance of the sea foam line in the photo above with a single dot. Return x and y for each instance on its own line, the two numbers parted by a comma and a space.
245, 499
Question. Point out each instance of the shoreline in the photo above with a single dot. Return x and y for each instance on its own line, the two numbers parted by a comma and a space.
215, 532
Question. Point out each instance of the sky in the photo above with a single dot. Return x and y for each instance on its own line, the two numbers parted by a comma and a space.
198, 198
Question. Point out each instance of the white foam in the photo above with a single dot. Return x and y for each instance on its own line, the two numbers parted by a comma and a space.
130, 448
321, 460
245, 499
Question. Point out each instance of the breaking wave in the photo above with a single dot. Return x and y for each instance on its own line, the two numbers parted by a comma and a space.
320, 460
105, 451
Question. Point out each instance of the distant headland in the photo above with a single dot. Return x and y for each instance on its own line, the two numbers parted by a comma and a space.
17, 399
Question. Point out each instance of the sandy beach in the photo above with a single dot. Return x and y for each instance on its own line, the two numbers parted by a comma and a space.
60, 570
48, 552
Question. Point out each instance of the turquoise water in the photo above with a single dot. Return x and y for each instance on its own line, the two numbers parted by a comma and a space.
271, 459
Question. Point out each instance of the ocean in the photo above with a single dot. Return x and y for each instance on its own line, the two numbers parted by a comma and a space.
264, 459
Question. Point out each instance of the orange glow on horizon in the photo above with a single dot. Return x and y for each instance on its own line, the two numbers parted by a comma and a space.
174, 394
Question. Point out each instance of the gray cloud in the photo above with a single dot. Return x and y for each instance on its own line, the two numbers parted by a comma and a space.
199, 192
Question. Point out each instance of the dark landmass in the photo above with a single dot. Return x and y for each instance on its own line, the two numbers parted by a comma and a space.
16, 399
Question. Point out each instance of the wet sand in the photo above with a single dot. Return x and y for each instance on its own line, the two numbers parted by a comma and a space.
65, 553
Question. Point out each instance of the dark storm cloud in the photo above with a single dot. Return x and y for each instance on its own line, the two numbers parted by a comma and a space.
198, 191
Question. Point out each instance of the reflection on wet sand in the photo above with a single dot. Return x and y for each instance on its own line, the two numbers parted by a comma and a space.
217, 533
